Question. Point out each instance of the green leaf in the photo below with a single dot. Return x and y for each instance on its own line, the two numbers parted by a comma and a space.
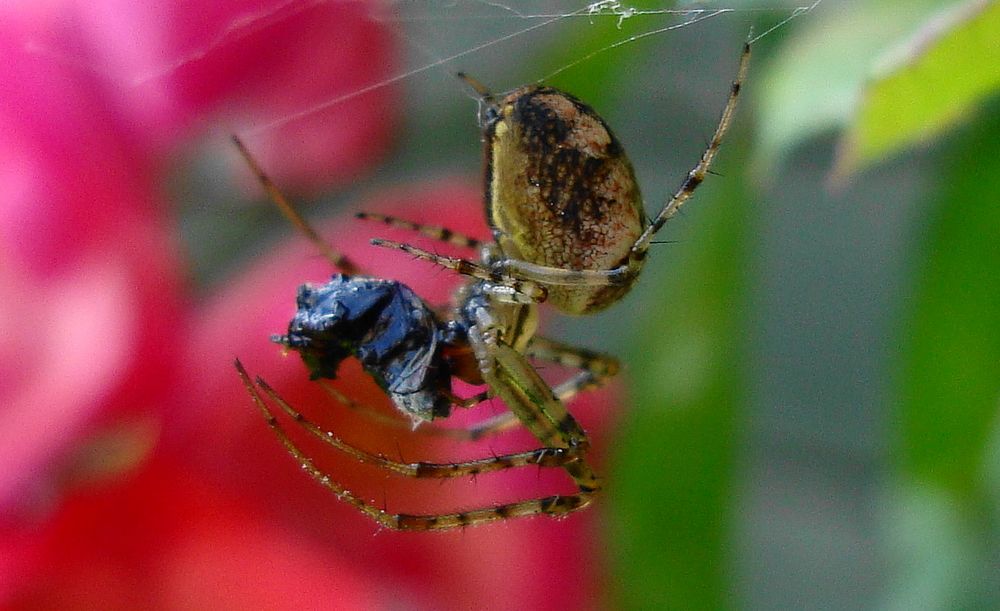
949, 392
950, 384
812, 85
672, 489
935, 79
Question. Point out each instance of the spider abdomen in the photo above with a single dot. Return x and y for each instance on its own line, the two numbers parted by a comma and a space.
560, 190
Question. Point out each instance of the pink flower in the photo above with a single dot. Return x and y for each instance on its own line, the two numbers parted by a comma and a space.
273, 71
90, 280
91, 277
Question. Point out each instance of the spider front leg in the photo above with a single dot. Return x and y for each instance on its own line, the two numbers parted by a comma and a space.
435, 232
336, 258
503, 286
697, 174
544, 457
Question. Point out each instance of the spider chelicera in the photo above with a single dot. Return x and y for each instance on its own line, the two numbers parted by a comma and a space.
569, 229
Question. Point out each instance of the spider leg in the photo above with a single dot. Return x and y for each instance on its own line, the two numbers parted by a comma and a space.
504, 286
553, 505
545, 457
441, 234
509, 374
697, 173
337, 259
626, 272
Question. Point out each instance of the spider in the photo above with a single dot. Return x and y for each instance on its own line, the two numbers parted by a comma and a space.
569, 229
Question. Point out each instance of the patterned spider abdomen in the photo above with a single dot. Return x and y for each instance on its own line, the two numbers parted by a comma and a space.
383, 324
560, 191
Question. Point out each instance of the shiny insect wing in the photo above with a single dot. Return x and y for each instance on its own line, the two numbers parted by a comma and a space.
560, 191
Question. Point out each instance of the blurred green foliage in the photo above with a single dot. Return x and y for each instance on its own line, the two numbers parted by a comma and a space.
675, 490
813, 84
949, 383
675, 475
928, 83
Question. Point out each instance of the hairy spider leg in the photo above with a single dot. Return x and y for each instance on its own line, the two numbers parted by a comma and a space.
523, 281
508, 287
697, 174
441, 234
337, 259
545, 457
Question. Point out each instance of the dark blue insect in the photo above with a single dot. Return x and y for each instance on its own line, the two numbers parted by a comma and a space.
406, 348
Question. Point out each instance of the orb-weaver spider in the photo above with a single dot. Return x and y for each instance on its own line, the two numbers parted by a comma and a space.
569, 228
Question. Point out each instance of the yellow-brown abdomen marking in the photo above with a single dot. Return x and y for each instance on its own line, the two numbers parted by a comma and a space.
562, 193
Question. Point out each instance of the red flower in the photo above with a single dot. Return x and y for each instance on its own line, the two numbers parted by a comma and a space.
273, 71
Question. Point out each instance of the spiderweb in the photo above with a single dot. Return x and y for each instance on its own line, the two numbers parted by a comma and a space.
443, 35
649, 55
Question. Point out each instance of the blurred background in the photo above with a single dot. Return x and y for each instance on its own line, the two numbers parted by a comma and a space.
807, 416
